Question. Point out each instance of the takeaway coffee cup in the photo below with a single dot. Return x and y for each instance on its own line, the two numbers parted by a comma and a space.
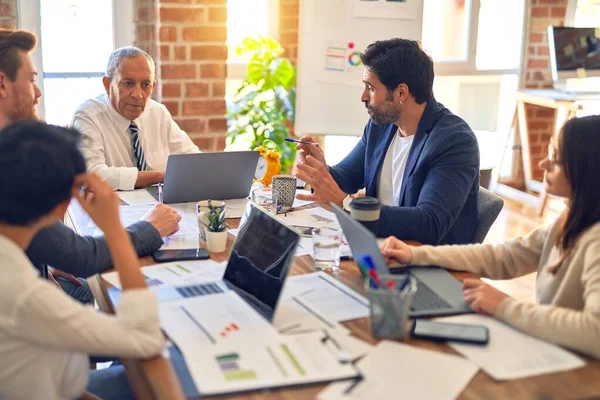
366, 210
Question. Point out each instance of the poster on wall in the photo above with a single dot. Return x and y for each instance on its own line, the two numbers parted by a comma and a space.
390, 9
342, 64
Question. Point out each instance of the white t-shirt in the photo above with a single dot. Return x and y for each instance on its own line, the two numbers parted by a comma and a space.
45, 335
392, 172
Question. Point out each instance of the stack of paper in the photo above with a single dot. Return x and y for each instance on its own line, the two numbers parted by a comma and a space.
325, 297
316, 217
396, 370
138, 197
315, 302
291, 360
511, 354
180, 273
132, 214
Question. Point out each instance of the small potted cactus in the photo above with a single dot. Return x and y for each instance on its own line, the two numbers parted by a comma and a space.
216, 229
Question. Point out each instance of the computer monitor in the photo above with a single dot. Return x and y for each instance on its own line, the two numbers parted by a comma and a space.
572, 49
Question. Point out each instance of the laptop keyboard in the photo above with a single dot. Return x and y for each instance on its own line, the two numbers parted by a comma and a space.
426, 299
199, 290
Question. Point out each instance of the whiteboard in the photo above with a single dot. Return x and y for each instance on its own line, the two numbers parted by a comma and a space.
329, 80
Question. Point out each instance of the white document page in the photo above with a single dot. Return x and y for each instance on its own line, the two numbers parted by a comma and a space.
177, 242
355, 347
292, 318
138, 197
179, 273
132, 214
290, 360
223, 318
313, 217
326, 296
397, 370
511, 354
234, 208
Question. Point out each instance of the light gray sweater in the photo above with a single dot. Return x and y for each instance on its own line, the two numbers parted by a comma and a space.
568, 312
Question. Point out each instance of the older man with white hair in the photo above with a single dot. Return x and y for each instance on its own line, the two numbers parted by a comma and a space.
127, 135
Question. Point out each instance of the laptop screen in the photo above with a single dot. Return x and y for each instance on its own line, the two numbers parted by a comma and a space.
260, 260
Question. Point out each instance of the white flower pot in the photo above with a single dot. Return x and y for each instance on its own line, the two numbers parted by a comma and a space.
216, 242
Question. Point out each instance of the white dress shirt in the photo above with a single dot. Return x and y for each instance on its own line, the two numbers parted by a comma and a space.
106, 143
392, 171
45, 335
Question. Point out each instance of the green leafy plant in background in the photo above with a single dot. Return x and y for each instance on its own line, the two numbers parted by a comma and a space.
216, 218
263, 106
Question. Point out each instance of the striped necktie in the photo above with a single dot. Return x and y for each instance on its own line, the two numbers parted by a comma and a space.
138, 153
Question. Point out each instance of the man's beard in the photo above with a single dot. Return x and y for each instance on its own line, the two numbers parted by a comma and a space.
384, 115
23, 111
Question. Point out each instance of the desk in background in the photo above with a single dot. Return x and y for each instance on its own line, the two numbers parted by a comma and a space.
156, 378
566, 106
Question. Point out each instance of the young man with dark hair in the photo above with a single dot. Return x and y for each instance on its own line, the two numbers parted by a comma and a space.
45, 335
58, 246
18, 92
420, 160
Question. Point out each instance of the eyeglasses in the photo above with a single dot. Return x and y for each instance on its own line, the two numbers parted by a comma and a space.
553, 155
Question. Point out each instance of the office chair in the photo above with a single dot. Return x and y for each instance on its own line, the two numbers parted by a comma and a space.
488, 207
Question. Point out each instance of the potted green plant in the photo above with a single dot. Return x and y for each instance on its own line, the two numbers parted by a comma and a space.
216, 228
263, 106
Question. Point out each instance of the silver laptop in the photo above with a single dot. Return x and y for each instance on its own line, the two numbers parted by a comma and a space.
438, 292
203, 176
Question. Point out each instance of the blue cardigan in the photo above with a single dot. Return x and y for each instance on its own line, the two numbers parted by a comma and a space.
438, 199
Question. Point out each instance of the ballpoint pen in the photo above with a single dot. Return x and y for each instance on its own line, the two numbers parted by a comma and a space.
160, 197
300, 141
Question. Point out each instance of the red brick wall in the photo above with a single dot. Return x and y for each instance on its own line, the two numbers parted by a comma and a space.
288, 27
8, 14
187, 40
537, 74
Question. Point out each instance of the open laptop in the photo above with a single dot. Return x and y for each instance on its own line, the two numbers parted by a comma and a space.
438, 292
257, 268
203, 176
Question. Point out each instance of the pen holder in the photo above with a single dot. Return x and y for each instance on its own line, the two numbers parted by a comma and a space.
390, 307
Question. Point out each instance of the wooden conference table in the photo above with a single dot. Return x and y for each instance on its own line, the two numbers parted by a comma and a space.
156, 378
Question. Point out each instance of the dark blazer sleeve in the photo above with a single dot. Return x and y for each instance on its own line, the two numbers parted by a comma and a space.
83, 256
350, 172
453, 168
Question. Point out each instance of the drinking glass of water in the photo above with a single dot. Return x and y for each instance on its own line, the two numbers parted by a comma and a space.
327, 244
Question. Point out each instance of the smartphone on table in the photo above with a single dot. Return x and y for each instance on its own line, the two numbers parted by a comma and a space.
444, 331
180, 255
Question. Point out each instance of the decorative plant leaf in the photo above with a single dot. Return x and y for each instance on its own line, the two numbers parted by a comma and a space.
264, 104
216, 218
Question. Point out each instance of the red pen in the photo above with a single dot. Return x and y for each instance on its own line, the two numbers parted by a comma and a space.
374, 277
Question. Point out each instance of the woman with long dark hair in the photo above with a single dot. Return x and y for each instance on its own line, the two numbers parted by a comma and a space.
565, 255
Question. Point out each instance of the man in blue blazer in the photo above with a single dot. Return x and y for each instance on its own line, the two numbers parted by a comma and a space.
420, 160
